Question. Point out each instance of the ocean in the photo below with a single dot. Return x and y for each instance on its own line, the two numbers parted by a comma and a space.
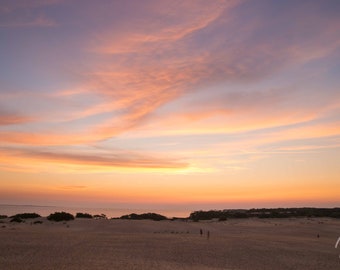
44, 211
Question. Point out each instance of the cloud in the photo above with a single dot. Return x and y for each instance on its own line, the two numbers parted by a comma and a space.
40, 21
12, 5
165, 59
246, 147
8, 118
162, 23
140, 67
177, 51
240, 111
118, 159
73, 187
26, 14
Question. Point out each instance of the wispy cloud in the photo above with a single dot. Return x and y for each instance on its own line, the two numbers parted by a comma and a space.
73, 187
178, 53
167, 23
26, 14
134, 92
40, 21
153, 68
12, 5
8, 118
211, 88
117, 159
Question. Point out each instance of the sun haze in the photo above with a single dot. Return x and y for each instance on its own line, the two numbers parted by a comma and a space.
188, 104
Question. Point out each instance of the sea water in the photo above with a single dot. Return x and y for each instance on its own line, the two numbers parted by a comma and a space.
44, 211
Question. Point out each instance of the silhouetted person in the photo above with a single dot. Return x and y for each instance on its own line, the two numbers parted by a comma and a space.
201, 232
208, 234
318, 236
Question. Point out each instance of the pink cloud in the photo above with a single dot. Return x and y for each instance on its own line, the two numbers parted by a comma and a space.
7, 118
119, 159
165, 22
169, 51
161, 62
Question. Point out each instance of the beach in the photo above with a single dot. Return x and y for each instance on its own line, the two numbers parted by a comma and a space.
144, 244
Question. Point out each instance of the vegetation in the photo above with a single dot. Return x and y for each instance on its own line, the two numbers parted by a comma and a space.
60, 216
26, 215
151, 216
17, 219
83, 215
101, 216
222, 215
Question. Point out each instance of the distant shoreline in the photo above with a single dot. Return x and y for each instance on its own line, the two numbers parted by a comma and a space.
111, 212
219, 215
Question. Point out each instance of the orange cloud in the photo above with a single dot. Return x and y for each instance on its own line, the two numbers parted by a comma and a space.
164, 60
118, 159
176, 22
7, 118
130, 84
73, 187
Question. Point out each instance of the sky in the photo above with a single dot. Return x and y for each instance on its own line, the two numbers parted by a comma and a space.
176, 104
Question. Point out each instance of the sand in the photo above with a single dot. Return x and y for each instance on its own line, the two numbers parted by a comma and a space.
127, 244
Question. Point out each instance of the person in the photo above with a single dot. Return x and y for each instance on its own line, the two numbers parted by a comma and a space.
208, 234
201, 232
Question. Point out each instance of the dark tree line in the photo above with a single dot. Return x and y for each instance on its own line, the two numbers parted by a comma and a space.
151, 216
220, 215
265, 213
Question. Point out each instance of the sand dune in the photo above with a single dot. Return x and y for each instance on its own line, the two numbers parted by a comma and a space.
128, 244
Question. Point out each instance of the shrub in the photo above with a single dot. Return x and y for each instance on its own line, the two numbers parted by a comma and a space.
83, 215
101, 216
60, 216
26, 215
3, 216
152, 216
17, 219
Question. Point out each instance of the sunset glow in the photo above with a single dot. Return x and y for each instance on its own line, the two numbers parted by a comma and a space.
188, 104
